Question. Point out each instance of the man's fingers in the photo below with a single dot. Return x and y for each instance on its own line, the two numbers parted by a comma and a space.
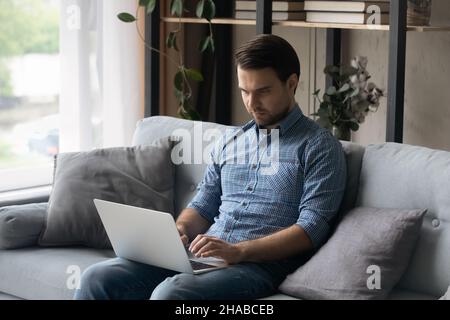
196, 240
208, 246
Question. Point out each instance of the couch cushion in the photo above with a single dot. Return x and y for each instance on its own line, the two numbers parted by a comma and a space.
43, 273
402, 176
363, 259
141, 176
21, 225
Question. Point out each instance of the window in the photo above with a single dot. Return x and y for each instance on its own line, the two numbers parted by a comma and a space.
29, 91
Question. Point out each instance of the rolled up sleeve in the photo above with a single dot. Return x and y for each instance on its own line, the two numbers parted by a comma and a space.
208, 198
325, 173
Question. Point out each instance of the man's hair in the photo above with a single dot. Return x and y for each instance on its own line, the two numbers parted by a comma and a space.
269, 51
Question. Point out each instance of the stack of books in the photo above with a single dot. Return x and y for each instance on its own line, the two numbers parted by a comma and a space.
338, 11
281, 10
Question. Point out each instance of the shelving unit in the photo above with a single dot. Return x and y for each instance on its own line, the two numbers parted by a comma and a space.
397, 29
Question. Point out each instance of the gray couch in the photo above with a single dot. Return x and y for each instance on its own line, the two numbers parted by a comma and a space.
384, 175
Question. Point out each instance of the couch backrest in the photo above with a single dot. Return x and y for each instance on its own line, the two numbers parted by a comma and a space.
187, 176
404, 176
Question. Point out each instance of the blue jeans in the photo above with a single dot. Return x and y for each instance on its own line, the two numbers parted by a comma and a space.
123, 279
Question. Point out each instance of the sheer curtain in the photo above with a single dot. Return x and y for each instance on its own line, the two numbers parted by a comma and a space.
101, 95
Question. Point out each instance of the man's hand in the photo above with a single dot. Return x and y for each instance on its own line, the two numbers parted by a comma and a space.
183, 236
206, 246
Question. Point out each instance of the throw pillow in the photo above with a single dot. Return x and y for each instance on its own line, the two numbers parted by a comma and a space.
20, 225
141, 176
364, 258
446, 296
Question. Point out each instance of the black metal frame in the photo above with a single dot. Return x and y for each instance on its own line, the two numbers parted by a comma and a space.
152, 67
396, 78
223, 65
333, 51
263, 16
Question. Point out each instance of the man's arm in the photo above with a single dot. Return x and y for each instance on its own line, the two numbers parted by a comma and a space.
190, 223
282, 244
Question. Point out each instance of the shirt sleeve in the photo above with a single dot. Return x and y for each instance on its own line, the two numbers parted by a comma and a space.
209, 191
325, 175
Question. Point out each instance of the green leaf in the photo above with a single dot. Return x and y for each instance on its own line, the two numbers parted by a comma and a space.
212, 45
186, 112
324, 105
348, 71
151, 6
200, 8
206, 9
176, 8
194, 74
126, 17
353, 125
355, 93
179, 81
204, 44
344, 88
331, 91
316, 93
143, 3
171, 40
331, 70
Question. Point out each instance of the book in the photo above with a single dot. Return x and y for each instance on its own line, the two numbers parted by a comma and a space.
344, 17
276, 5
276, 15
345, 6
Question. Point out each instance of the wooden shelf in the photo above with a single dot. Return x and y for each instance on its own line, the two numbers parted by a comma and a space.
213, 21
303, 24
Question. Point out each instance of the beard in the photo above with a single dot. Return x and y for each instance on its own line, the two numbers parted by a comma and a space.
268, 120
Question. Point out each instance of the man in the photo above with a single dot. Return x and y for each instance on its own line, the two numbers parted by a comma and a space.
265, 225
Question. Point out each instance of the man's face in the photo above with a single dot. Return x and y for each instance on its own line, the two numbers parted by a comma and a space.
266, 98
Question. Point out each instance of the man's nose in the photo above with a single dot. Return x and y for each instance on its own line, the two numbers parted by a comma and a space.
253, 101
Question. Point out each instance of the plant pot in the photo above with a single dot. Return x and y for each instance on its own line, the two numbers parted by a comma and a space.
341, 132
419, 12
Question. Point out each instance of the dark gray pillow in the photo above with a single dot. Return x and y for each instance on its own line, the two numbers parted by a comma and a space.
21, 225
141, 176
364, 258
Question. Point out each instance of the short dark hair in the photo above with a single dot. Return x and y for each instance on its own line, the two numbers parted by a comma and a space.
269, 51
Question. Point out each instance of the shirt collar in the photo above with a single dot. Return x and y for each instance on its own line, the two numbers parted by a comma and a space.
291, 118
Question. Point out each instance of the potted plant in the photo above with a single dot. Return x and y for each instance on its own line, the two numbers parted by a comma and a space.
345, 104
205, 9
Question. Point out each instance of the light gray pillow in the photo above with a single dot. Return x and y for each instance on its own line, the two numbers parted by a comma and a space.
141, 176
20, 225
446, 296
364, 258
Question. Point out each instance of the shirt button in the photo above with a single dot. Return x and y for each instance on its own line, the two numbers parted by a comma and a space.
254, 166
435, 223
249, 188
244, 204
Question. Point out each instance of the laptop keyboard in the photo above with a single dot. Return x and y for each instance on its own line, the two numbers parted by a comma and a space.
200, 265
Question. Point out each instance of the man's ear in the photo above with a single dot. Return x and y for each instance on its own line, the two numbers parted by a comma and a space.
292, 82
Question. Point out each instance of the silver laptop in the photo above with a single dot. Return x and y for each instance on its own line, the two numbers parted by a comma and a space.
150, 237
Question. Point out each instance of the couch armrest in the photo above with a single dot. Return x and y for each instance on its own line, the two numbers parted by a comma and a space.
21, 225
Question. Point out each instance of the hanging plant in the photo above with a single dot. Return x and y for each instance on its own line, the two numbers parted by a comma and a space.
205, 9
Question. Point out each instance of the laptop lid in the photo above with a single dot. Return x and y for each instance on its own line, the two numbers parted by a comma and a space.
144, 235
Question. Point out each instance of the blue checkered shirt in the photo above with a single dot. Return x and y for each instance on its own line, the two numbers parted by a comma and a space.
244, 201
